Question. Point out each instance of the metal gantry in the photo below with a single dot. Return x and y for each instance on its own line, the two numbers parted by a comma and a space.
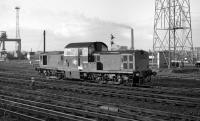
17, 40
3, 39
172, 30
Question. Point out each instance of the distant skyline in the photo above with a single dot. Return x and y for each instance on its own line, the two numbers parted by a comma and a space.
67, 21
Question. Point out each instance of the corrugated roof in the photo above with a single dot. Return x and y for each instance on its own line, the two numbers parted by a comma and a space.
53, 52
120, 52
82, 44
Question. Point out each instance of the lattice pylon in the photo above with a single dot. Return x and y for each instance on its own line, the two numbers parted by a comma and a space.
172, 30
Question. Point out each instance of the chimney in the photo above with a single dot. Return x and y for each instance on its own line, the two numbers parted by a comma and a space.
132, 39
44, 34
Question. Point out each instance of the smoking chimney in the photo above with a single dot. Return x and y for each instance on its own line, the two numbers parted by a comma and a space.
44, 35
132, 39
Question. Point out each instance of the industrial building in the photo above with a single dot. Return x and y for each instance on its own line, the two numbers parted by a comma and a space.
197, 53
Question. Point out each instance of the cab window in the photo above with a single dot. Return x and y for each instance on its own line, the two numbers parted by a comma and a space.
44, 59
125, 58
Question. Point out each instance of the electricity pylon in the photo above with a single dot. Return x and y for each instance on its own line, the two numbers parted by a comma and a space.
173, 31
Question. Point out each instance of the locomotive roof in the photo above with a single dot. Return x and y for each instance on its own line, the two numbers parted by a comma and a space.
83, 44
120, 52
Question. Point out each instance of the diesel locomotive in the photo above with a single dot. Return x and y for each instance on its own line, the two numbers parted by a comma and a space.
92, 61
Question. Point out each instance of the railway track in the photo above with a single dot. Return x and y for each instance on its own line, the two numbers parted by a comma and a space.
90, 112
133, 95
112, 93
36, 110
137, 113
17, 116
185, 92
70, 107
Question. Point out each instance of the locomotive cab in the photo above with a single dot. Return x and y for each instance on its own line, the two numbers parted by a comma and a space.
79, 57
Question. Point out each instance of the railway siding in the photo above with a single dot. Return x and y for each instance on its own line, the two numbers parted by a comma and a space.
175, 114
157, 98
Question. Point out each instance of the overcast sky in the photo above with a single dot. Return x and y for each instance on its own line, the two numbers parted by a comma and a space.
68, 21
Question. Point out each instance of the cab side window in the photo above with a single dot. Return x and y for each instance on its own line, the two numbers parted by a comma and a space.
44, 59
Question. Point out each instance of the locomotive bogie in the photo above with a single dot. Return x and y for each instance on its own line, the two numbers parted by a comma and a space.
114, 77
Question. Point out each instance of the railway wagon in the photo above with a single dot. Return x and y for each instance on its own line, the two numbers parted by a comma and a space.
92, 61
